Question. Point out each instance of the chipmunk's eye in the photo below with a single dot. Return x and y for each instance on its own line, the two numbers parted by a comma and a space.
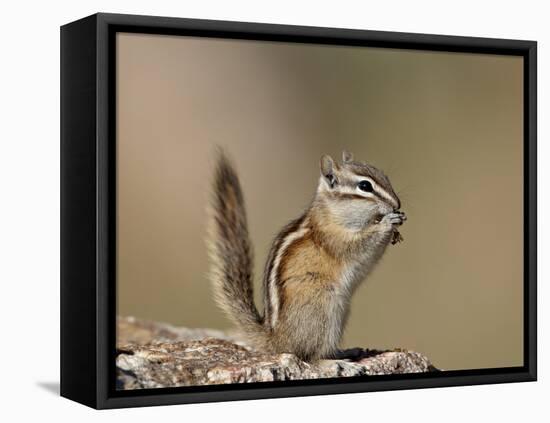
365, 186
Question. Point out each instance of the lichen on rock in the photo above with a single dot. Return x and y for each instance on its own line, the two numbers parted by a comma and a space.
158, 355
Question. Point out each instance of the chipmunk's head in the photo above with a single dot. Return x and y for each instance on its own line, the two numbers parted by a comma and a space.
356, 193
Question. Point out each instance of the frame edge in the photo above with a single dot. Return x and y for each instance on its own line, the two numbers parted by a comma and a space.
78, 211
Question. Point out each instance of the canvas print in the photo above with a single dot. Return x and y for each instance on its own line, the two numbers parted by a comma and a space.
291, 211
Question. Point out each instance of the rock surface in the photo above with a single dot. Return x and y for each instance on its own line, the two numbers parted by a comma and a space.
158, 355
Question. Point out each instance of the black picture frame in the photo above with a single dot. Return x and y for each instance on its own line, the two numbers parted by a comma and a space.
88, 206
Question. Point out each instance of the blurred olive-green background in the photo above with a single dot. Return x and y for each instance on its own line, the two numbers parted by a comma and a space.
446, 127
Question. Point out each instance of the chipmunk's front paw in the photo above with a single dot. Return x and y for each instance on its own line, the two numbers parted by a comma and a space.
395, 218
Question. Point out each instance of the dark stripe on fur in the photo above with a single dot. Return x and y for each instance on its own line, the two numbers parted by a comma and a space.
277, 243
291, 249
346, 196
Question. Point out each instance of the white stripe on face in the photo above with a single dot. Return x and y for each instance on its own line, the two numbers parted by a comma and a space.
377, 189
354, 189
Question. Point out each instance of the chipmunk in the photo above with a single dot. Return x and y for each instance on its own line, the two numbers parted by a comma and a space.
315, 264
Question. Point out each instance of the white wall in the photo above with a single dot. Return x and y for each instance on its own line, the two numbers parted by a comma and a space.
29, 235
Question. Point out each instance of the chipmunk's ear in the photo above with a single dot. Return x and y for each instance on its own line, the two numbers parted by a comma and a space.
327, 170
347, 156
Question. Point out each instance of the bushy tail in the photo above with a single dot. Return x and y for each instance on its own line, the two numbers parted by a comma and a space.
231, 253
